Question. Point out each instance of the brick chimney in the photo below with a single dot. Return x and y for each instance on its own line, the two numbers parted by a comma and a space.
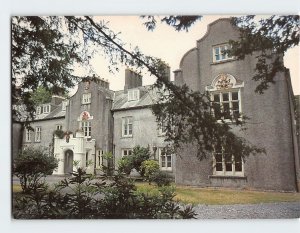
132, 79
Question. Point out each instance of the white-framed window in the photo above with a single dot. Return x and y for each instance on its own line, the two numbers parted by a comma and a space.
133, 95
38, 132
46, 108
87, 128
165, 160
58, 127
86, 98
227, 104
225, 164
99, 158
127, 126
219, 53
38, 110
28, 135
64, 105
126, 152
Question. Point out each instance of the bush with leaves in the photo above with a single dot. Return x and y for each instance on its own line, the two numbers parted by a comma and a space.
125, 165
162, 179
150, 168
82, 196
31, 166
134, 161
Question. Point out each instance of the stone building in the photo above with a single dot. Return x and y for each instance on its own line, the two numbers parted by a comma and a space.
271, 124
97, 120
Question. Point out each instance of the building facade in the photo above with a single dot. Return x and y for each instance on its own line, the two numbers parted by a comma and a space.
97, 120
271, 125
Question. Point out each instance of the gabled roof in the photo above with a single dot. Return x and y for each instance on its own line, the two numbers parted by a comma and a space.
148, 97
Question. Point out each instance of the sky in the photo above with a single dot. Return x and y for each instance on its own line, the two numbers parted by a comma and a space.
169, 45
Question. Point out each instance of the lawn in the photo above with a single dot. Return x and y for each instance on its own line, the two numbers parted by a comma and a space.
218, 196
215, 196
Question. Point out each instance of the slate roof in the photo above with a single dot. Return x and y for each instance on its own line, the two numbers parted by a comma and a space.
148, 96
57, 112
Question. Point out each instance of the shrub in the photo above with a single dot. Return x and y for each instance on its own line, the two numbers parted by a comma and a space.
59, 133
150, 168
162, 179
134, 161
139, 155
32, 165
83, 197
125, 165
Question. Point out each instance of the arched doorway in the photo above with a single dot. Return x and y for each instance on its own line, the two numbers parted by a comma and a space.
68, 158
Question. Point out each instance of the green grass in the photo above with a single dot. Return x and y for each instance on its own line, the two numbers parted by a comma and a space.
218, 196
214, 196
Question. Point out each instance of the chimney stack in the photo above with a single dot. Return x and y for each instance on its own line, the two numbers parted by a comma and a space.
132, 79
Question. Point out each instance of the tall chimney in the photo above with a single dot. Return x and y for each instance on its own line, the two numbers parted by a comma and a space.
132, 79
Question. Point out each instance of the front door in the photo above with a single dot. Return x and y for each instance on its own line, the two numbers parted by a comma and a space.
68, 162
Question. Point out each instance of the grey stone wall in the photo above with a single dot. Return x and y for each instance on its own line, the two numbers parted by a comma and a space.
99, 109
145, 132
269, 125
47, 128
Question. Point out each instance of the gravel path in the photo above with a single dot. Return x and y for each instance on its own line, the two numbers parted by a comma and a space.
249, 211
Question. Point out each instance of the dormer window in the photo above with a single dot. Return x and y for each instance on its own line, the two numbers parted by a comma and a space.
46, 108
86, 98
133, 95
38, 110
219, 53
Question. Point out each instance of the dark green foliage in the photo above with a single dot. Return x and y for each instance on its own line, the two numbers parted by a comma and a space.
150, 168
161, 178
134, 161
42, 56
139, 155
41, 96
268, 39
125, 165
59, 133
179, 22
31, 166
84, 197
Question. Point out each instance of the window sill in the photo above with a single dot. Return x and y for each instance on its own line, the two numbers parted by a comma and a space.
223, 61
127, 136
166, 169
227, 177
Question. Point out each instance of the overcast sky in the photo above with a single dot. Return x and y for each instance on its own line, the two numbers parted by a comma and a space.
169, 45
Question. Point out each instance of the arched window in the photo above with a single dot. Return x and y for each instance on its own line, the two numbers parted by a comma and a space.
225, 93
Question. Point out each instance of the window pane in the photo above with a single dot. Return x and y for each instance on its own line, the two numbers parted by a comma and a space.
169, 161
238, 163
216, 98
218, 158
163, 161
228, 162
235, 95
129, 152
225, 97
226, 110
222, 52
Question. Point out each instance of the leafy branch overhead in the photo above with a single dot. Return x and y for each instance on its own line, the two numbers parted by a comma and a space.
45, 50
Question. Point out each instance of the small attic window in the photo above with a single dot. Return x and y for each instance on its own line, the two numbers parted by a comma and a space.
133, 95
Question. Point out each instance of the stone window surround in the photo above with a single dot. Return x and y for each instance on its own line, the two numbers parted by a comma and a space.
38, 133
163, 162
127, 126
217, 53
126, 152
